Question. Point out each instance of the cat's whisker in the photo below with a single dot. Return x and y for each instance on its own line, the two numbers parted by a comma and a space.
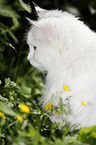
29, 76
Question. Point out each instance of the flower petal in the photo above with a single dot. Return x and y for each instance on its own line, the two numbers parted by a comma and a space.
66, 88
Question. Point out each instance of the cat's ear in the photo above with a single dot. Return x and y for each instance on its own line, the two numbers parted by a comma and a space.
33, 22
38, 9
41, 12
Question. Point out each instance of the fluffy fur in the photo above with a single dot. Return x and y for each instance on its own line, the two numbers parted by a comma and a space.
66, 49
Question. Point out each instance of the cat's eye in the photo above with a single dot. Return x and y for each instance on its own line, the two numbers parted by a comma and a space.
34, 47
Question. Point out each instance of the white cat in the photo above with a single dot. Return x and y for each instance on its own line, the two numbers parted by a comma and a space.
66, 48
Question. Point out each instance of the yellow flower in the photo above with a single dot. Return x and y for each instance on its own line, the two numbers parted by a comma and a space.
24, 108
48, 106
19, 118
2, 115
41, 129
66, 88
83, 103
56, 113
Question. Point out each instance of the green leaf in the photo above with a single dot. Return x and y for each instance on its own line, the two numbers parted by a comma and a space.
5, 109
8, 11
25, 6
88, 135
25, 91
9, 83
69, 141
0, 82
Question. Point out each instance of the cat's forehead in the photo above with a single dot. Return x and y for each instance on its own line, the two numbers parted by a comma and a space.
31, 36
35, 36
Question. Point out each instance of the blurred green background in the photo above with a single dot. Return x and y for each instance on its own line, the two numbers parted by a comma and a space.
20, 82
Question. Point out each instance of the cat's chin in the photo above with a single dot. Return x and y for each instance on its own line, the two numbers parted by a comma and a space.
36, 65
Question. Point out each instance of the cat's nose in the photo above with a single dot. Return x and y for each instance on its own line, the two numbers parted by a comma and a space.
28, 57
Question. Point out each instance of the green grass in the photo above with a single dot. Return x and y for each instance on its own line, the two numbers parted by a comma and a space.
35, 127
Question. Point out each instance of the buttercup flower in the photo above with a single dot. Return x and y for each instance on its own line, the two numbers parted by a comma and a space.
24, 108
83, 103
19, 118
2, 115
66, 88
48, 106
56, 113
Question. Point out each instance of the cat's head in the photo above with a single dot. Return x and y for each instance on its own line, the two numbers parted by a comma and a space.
49, 39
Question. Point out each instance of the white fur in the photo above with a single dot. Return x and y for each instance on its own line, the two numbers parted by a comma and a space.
66, 49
